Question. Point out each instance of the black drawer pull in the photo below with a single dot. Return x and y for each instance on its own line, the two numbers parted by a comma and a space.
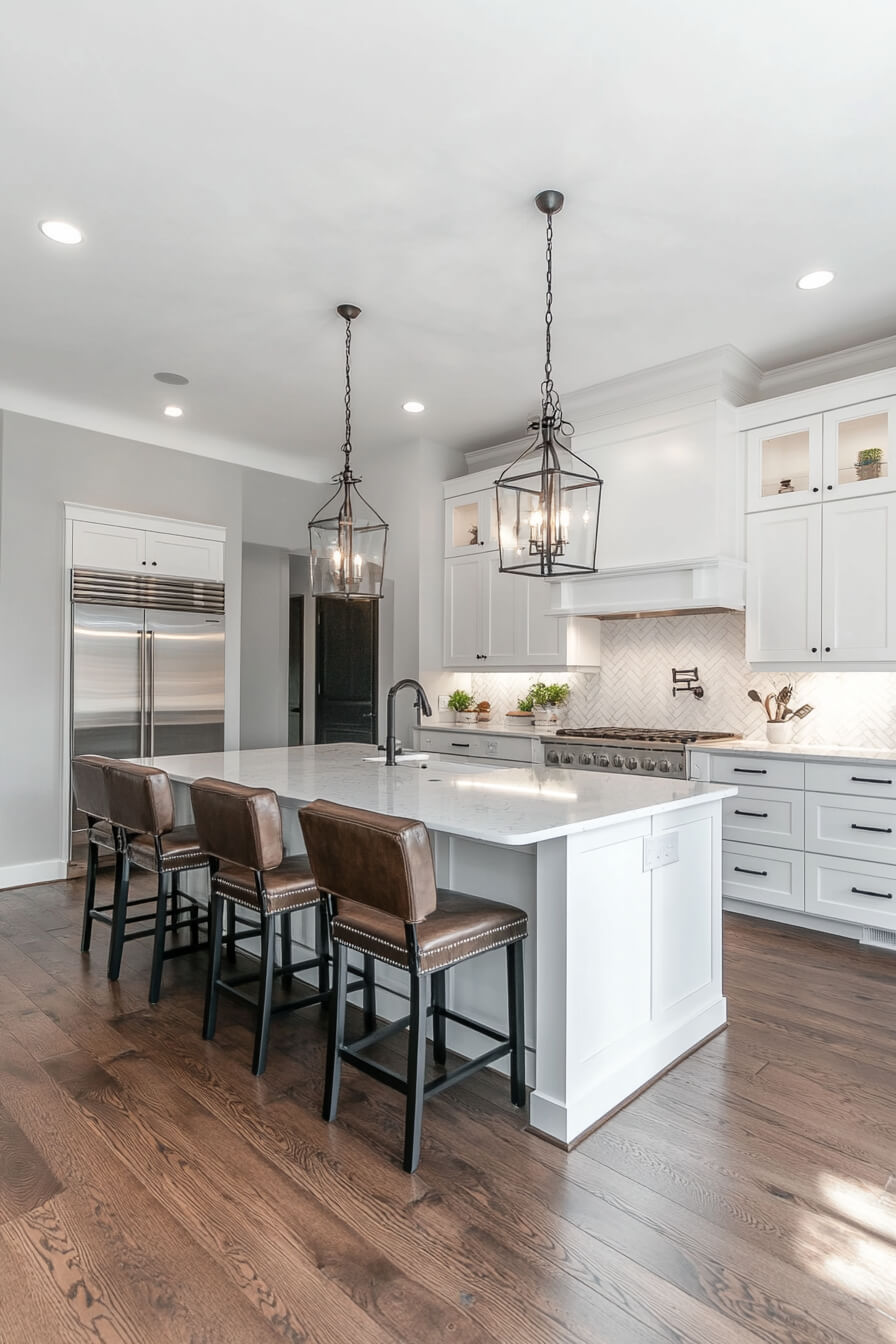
461, 744
739, 813
882, 895
742, 770
754, 872
860, 779
882, 830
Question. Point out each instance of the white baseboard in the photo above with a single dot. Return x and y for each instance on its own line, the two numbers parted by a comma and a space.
30, 874
800, 921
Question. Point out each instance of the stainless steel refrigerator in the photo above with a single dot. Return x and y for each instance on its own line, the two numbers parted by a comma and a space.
147, 672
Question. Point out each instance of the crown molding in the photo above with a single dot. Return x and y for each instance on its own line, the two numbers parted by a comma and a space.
871, 357
179, 438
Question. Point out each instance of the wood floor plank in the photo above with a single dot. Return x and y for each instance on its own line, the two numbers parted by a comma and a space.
26, 1179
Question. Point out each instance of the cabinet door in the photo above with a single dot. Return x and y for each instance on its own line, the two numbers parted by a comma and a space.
462, 611
541, 638
856, 449
500, 624
859, 580
784, 464
784, 586
191, 557
107, 546
471, 522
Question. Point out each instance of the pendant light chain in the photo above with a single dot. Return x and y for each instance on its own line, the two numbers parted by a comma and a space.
347, 445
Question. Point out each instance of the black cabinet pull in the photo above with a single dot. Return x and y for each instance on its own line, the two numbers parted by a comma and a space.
739, 813
862, 779
881, 895
754, 872
743, 770
815, 489
882, 830
461, 744
827, 648
814, 648
830, 487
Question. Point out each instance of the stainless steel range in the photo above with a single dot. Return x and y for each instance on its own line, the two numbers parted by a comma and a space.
641, 751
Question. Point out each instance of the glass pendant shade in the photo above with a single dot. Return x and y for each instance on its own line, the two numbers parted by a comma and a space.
347, 536
548, 510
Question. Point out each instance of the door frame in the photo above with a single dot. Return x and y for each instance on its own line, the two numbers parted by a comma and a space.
375, 695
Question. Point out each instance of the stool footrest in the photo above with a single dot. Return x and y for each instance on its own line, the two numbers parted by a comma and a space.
182, 951
474, 1026
438, 1085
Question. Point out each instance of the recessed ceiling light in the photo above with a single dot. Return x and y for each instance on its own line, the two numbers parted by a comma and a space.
414, 407
175, 379
173, 411
815, 280
60, 232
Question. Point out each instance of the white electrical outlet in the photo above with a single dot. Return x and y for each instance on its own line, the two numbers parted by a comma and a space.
443, 702
660, 850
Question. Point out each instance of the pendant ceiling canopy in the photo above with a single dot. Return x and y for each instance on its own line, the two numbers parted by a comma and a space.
347, 535
548, 499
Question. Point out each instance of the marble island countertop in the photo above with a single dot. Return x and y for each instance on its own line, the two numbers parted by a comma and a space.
504, 805
797, 750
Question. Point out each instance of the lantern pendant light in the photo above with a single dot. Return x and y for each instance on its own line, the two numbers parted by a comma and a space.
348, 546
548, 498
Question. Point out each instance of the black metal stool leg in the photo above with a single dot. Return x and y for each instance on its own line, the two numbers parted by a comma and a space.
336, 1033
215, 932
119, 914
89, 895
286, 946
265, 992
439, 1053
413, 1117
167, 895
516, 1016
369, 995
322, 947
194, 924
231, 931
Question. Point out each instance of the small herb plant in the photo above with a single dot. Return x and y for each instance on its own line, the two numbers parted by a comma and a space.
549, 693
461, 702
868, 456
525, 705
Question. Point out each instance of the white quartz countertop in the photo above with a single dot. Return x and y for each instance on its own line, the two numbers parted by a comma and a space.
797, 751
505, 806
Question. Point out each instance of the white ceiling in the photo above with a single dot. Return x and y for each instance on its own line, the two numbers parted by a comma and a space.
239, 169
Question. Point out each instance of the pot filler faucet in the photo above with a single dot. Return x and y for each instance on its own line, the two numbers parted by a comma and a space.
420, 703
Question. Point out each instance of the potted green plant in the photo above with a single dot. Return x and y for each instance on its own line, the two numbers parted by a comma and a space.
869, 463
464, 706
547, 697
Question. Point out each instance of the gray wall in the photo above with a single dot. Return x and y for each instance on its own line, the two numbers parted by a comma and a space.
264, 651
44, 464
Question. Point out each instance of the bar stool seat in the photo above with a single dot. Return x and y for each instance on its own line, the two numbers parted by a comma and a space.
461, 926
291, 886
180, 850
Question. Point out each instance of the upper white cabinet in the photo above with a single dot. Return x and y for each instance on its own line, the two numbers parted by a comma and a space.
141, 549
495, 620
471, 523
834, 454
784, 586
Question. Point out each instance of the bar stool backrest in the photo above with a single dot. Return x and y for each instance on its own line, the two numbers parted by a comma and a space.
89, 785
384, 862
140, 798
238, 824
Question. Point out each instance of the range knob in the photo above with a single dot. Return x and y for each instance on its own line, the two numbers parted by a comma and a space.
631, 763
650, 765
567, 758
618, 762
665, 767
603, 760
585, 758
552, 758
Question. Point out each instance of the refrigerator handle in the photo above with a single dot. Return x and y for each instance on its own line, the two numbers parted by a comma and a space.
151, 648
142, 660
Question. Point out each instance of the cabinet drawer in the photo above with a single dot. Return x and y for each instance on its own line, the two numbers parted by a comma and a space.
863, 893
855, 828
858, 779
764, 770
480, 745
764, 817
766, 876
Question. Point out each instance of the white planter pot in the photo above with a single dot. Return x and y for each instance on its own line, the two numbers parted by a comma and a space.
465, 716
779, 733
546, 713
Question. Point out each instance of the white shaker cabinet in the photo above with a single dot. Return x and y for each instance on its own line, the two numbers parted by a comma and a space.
784, 464
858, 580
108, 546
189, 557
129, 548
463, 611
784, 586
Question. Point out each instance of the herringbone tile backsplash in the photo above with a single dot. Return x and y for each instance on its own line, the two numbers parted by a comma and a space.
634, 686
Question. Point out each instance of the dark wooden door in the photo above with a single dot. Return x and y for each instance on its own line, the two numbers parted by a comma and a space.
347, 641
295, 735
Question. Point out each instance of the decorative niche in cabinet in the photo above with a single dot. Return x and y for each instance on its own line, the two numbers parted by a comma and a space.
471, 523
495, 620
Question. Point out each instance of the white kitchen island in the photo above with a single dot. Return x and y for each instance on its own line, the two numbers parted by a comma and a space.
621, 879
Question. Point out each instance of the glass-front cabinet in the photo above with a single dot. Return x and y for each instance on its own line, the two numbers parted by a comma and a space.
471, 523
835, 454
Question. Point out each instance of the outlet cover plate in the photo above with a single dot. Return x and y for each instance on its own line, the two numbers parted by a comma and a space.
660, 850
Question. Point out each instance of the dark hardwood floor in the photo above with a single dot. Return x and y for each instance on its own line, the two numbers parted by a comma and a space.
152, 1190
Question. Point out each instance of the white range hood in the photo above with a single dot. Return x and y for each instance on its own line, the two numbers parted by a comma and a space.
708, 584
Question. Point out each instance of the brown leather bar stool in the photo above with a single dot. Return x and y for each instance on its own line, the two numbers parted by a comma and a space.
91, 798
379, 879
242, 832
141, 809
